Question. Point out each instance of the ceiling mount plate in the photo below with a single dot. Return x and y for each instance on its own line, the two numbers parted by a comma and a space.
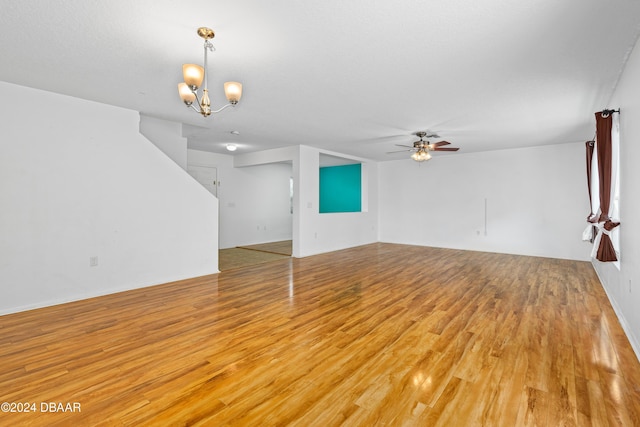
206, 33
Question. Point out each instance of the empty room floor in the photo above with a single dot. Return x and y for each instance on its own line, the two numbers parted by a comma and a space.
382, 334
244, 256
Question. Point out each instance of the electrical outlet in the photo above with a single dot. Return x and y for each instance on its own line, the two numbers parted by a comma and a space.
93, 261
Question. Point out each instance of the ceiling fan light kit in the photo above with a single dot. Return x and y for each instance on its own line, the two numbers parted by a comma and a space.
194, 75
421, 155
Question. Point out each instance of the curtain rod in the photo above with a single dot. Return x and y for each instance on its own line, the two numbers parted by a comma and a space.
607, 112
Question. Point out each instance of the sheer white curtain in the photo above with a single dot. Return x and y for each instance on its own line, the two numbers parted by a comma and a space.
614, 206
588, 235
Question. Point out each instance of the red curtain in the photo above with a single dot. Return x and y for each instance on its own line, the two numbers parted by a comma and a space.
606, 252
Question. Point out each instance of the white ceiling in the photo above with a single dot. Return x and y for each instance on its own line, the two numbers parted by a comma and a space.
351, 76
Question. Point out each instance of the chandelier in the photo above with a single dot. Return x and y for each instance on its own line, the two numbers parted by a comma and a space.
195, 75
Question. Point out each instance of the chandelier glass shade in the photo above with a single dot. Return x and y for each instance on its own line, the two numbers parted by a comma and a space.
195, 77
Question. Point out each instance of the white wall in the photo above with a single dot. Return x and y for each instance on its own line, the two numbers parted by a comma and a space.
315, 233
261, 206
319, 233
254, 200
623, 284
167, 136
535, 201
77, 180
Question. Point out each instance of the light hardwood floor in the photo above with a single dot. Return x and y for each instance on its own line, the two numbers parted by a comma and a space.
379, 335
244, 256
282, 247
229, 259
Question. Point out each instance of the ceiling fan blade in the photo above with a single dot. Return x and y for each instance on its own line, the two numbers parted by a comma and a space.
446, 149
408, 146
426, 134
438, 144
399, 151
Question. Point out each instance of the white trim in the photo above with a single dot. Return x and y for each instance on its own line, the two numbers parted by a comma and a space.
635, 345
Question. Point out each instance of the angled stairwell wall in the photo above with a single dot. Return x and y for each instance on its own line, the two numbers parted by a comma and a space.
79, 185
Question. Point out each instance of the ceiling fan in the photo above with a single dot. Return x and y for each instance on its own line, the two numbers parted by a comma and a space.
421, 148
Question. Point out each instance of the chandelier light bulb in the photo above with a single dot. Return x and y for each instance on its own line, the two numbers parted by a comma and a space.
193, 75
233, 92
186, 94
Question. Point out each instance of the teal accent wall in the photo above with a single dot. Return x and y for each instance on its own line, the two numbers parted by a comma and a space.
341, 188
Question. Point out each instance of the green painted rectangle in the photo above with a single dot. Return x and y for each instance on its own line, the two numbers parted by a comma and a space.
341, 189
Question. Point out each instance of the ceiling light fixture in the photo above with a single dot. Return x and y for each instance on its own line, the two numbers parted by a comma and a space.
232, 147
421, 155
421, 149
194, 75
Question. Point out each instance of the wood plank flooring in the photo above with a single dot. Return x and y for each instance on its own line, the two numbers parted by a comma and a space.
283, 247
379, 335
232, 258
